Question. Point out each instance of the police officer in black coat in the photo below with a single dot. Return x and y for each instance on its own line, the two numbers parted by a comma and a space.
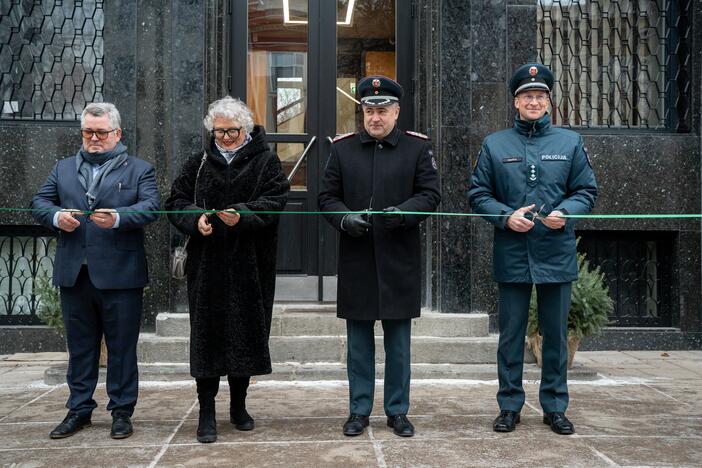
526, 178
383, 169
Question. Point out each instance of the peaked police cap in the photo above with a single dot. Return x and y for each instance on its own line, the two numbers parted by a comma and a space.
378, 91
531, 76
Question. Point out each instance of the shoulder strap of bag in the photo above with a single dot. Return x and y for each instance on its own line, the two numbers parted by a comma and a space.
197, 176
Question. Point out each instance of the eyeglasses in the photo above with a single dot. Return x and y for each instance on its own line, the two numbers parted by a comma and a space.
540, 98
230, 132
101, 134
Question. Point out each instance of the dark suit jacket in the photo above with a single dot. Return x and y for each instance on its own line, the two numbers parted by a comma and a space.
115, 257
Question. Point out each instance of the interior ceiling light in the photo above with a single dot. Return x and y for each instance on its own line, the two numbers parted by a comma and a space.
346, 22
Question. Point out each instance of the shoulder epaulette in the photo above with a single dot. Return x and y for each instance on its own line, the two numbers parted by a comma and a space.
342, 137
417, 134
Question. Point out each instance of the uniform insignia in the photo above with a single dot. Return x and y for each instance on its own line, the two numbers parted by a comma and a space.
533, 71
417, 134
433, 161
342, 137
587, 156
512, 159
554, 157
376, 83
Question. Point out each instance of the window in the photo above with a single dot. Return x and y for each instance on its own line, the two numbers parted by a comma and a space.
26, 254
618, 63
51, 58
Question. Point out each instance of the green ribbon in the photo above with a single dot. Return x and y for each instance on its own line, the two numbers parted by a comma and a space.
421, 213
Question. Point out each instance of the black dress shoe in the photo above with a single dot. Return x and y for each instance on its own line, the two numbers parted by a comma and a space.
506, 421
242, 421
559, 423
121, 427
71, 424
355, 425
401, 425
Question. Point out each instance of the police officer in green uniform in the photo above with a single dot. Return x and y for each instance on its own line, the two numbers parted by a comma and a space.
379, 169
526, 178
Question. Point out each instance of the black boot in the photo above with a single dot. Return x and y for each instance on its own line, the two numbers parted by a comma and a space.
207, 424
237, 409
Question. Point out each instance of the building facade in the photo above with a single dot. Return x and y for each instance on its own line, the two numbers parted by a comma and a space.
628, 79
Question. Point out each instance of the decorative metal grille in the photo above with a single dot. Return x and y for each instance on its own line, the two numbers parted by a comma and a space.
617, 63
26, 253
638, 273
51, 58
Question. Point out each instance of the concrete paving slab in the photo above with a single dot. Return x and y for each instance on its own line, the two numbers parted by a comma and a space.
30, 436
288, 454
78, 456
12, 400
489, 452
598, 425
271, 430
650, 451
690, 395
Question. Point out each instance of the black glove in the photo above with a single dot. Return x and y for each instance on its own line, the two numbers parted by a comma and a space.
391, 219
355, 224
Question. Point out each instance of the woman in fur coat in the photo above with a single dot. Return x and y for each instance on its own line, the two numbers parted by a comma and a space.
231, 256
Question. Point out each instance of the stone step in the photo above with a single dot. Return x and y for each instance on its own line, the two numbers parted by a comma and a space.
171, 372
322, 321
304, 349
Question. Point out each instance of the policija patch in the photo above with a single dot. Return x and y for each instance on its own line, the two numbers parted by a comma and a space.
433, 161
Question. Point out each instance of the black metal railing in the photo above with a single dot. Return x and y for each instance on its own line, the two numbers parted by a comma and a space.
51, 58
638, 271
618, 63
26, 253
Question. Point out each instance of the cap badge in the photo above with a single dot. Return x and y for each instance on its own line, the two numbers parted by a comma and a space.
533, 71
376, 83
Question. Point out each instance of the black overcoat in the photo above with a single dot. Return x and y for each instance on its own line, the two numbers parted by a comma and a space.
380, 273
231, 273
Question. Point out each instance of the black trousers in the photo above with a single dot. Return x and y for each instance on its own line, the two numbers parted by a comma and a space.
89, 312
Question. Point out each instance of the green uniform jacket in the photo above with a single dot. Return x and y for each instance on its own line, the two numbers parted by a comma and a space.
533, 163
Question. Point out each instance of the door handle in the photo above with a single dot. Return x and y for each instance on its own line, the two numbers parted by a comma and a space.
302, 158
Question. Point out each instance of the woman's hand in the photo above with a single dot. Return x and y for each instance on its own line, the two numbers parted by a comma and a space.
229, 217
203, 225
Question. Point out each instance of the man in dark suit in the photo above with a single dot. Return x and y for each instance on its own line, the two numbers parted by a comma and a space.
99, 202
379, 168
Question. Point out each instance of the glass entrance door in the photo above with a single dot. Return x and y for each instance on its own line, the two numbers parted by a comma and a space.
296, 64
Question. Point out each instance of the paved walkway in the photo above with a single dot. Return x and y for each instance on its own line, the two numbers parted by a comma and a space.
646, 409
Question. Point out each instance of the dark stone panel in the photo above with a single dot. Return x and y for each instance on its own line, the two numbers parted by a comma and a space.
27, 154
154, 103
427, 106
687, 275
454, 232
488, 110
631, 339
521, 43
120, 41
34, 339
189, 83
488, 35
645, 173
217, 48
456, 58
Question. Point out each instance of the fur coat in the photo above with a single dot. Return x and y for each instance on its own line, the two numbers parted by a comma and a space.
231, 273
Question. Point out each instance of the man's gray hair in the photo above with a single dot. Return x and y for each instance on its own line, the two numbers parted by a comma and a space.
229, 108
99, 109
